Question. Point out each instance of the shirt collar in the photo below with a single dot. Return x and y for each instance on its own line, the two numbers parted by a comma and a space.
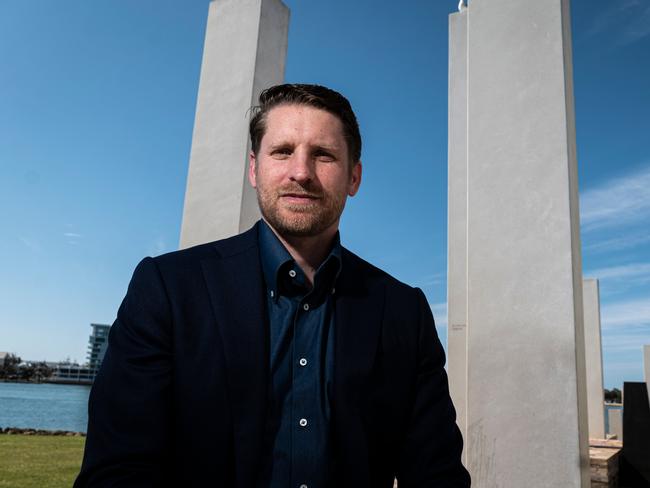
274, 257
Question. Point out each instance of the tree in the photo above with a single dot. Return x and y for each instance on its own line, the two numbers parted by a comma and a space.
41, 371
613, 396
9, 370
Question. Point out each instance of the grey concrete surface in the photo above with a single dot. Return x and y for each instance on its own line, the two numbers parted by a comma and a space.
524, 330
615, 419
244, 52
457, 220
594, 358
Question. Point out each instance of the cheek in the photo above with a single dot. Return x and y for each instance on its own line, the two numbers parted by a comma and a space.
340, 185
268, 175
333, 177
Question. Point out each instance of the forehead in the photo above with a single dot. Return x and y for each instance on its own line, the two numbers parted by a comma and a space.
303, 123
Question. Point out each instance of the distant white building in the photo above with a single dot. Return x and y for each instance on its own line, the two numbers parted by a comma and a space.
97, 344
66, 372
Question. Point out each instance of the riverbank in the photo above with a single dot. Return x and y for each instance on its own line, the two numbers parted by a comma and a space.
20, 431
49, 381
7, 380
35, 461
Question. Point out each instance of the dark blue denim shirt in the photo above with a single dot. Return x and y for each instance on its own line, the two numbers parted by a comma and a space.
297, 444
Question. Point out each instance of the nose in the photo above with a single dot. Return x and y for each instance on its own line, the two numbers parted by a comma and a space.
301, 168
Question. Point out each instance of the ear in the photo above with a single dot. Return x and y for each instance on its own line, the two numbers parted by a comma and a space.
355, 179
251, 169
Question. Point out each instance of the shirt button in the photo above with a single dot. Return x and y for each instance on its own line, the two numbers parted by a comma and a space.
305, 307
272, 294
302, 362
333, 291
303, 422
292, 273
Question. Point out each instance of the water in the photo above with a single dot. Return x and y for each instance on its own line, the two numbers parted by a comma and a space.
63, 407
44, 406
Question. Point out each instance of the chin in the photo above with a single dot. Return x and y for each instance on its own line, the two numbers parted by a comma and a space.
299, 225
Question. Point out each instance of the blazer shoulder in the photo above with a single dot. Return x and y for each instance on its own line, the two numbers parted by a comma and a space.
220, 248
401, 302
373, 274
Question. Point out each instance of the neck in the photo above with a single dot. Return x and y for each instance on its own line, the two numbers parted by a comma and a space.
309, 252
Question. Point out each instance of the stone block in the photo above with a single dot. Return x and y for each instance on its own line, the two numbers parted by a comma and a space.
603, 466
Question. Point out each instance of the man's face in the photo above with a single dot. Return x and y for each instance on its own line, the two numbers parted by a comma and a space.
302, 171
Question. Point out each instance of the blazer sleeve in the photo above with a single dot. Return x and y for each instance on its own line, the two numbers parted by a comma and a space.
431, 451
128, 440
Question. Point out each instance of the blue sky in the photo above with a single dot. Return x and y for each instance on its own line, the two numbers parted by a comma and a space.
97, 105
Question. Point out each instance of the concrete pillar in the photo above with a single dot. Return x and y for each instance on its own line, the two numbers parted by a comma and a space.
615, 420
525, 358
594, 359
244, 52
457, 220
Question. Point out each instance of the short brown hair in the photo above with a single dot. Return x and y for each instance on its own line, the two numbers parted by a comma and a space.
315, 96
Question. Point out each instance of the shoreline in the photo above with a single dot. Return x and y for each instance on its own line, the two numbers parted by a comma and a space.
48, 382
27, 431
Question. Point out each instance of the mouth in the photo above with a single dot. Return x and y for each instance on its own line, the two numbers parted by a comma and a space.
299, 197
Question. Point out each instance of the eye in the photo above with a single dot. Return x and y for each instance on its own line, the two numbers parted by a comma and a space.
281, 152
324, 156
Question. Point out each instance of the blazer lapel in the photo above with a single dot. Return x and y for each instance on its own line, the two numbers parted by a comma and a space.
359, 312
235, 284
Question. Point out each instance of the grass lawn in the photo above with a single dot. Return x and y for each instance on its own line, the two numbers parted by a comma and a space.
35, 461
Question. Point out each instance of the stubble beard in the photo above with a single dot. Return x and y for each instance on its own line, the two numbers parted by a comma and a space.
299, 220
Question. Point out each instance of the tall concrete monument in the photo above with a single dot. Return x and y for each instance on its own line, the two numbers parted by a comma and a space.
244, 52
593, 358
516, 334
457, 220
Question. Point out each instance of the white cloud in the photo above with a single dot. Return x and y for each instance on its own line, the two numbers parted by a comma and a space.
629, 20
638, 28
158, 246
618, 243
431, 280
637, 272
620, 201
625, 313
439, 311
32, 244
72, 238
626, 342
619, 279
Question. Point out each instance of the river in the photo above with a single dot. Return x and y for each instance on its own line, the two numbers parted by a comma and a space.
44, 406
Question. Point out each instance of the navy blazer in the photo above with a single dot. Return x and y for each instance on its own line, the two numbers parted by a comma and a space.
181, 397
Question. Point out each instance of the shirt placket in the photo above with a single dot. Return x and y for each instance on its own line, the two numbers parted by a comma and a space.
305, 359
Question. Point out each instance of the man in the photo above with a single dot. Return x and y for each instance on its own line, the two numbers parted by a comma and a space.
276, 358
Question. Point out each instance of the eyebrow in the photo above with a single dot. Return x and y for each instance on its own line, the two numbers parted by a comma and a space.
318, 147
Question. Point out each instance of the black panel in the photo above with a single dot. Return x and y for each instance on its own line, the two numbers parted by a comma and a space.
635, 457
